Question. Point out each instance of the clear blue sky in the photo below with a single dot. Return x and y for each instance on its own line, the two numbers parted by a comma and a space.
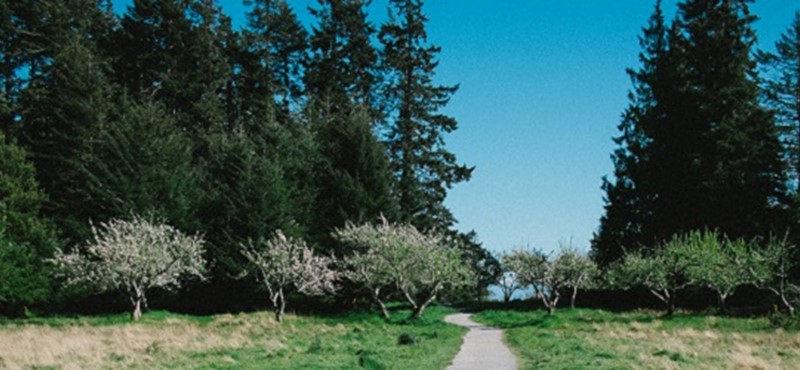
543, 85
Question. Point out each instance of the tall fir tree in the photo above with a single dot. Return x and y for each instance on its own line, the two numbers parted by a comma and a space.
735, 141
173, 51
697, 151
628, 201
341, 80
423, 167
68, 99
354, 180
275, 50
26, 238
781, 86
342, 69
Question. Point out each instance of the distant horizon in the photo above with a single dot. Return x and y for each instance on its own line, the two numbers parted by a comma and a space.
542, 88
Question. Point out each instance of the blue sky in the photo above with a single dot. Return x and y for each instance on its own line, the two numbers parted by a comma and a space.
543, 85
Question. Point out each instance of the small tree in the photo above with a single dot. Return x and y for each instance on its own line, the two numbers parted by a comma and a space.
285, 262
548, 276
134, 256
715, 262
419, 265
532, 267
576, 268
770, 267
369, 270
507, 280
663, 272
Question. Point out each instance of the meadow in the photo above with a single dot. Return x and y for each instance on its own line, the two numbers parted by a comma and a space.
232, 341
597, 339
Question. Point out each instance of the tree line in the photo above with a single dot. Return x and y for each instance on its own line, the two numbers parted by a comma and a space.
170, 112
709, 138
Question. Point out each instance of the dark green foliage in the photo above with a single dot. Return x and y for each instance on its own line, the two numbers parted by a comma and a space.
25, 238
275, 47
487, 269
424, 169
696, 149
61, 107
172, 50
249, 193
342, 70
353, 178
139, 163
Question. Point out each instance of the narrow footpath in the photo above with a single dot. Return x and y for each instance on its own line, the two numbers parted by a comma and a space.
483, 347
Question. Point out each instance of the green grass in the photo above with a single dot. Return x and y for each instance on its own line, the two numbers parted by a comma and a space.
596, 339
255, 341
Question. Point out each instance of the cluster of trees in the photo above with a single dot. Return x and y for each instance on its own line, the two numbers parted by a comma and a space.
707, 260
712, 261
707, 142
169, 111
546, 274
139, 255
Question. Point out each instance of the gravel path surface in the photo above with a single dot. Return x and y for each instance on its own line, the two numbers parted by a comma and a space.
483, 347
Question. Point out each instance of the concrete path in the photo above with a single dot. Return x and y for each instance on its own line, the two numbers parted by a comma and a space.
483, 347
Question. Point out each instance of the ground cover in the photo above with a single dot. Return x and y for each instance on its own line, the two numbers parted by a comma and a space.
240, 341
596, 339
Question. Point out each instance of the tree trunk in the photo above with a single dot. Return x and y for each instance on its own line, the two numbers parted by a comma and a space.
376, 296
670, 306
419, 310
136, 313
721, 298
572, 300
551, 310
278, 305
787, 305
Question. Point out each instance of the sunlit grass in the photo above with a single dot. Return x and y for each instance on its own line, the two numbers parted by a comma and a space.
255, 340
596, 339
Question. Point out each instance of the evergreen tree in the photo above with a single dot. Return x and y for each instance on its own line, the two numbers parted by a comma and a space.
628, 203
354, 178
275, 51
140, 162
26, 239
696, 149
782, 92
731, 140
423, 168
68, 99
32, 34
342, 69
173, 51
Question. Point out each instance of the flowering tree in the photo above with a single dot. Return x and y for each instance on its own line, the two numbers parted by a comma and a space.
663, 271
284, 263
576, 268
715, 262
547, 275
135, 256
419, 265
507, 280
770, 268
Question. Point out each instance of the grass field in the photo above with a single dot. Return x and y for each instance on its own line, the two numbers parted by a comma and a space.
594, 339
255, 340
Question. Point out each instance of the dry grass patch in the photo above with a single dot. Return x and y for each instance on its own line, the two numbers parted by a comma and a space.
644, 340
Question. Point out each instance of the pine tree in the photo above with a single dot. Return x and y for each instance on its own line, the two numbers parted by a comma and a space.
732, 142
423, 168
782, 92
353, 176
26, 239
628, 203
696, 149
275, 50
342, 69
62, 104
173, 51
